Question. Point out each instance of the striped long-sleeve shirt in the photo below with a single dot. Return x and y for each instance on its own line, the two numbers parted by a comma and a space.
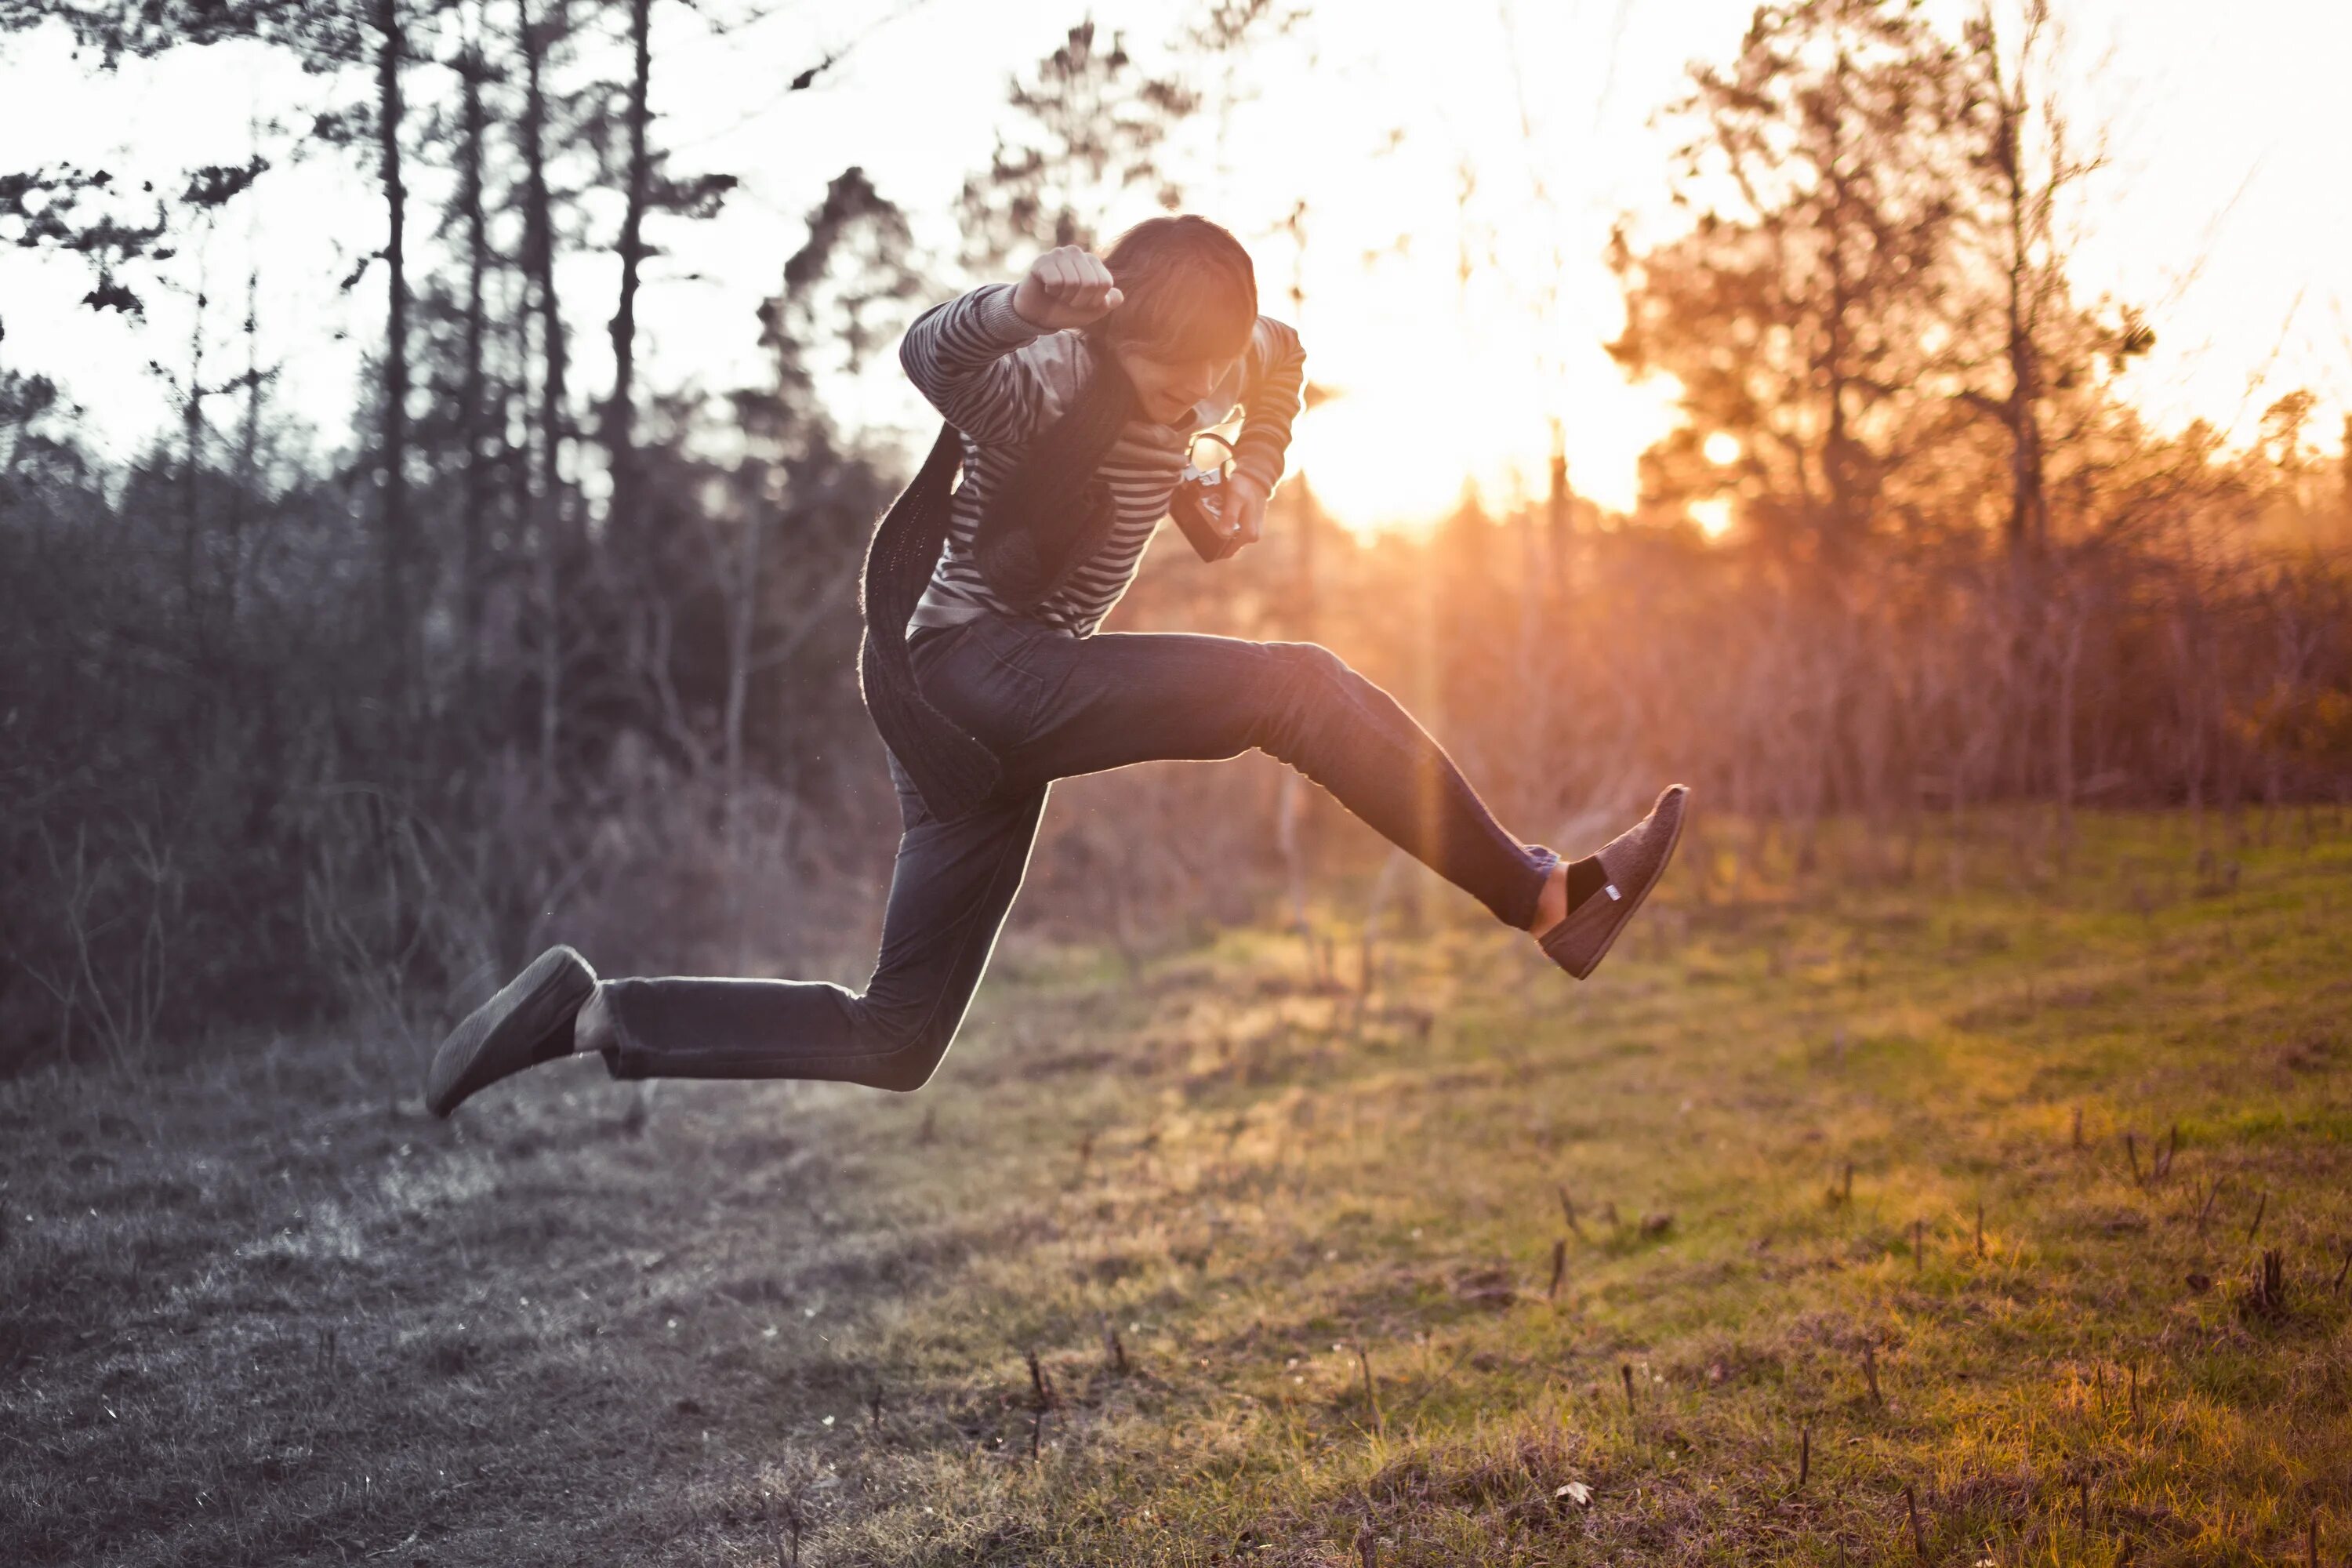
1000, 381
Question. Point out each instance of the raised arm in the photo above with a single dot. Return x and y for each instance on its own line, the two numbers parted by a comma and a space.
960, 355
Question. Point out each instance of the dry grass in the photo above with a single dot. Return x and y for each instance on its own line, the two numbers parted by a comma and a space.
262, 1310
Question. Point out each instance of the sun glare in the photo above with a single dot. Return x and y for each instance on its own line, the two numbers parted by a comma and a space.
1722, 447
1410, 423
1713, 517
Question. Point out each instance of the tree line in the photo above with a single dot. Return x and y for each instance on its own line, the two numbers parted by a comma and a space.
287, 739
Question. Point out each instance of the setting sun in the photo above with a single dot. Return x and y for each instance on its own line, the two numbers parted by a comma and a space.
1713, 516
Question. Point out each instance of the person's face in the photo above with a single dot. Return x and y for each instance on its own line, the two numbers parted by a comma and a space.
1165, 387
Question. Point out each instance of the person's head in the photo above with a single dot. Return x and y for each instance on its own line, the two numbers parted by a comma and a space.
1189, 305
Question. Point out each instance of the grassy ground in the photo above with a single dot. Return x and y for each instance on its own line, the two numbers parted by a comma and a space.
1912, 1217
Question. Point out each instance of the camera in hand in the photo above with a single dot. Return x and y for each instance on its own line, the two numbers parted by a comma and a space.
1197, 503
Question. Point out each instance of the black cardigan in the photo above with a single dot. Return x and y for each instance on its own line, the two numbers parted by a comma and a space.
951, 769
1053, 514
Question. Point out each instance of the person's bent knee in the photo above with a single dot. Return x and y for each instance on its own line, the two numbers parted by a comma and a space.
904, 1071
1303, 682
904, 1054
1309, 664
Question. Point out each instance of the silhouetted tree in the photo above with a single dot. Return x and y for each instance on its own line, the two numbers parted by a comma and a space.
1796, 311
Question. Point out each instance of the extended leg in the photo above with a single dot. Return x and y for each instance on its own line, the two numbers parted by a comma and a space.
952, 886
1118, 699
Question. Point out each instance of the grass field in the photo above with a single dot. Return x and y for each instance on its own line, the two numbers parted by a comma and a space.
1918, 1216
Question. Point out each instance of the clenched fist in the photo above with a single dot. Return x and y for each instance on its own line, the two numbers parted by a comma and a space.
1065, 287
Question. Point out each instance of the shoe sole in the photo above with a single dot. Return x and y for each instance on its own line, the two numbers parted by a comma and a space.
548, 992
1673, 842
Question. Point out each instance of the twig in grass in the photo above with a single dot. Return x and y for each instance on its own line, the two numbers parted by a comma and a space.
2171, 1147
2078, 1126
2310, 1542
1085, 1152
1918, 1252
929, 1130
1117, 1347
1559, 1271
2083, 1483
2131, 1151
1372, 1394
1918, 1536
1041, 1389
2206, 1208
2267, 1293
1981, 1227
2262, 1203
2340, 1273
1804, 1456
1625, 1372
874, 1407
1365, 1548
1568, 1209
791, 1529
1870, 1371
2133, 1371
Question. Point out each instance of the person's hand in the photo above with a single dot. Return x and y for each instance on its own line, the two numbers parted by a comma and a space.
1242, 509
1065, 287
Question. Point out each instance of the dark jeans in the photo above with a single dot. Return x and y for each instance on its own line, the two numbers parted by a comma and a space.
1053, 706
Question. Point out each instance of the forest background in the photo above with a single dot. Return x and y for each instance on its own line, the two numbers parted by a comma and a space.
309, 717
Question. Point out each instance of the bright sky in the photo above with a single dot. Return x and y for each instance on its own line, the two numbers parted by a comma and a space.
2224, 214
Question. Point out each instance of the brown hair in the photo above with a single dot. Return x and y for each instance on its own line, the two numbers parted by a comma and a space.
1190, 292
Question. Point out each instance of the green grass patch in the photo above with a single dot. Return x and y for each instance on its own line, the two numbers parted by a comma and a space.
1838, 1219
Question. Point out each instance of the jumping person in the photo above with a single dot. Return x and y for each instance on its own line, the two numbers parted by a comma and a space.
1071, 399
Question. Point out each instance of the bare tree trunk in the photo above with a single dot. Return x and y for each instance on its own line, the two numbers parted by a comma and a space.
1290, 807
540, 261
742, 636
192, 462
474, 496
619, 410
247, 488
398, 547
2028, 503
2063, 730
1528, 688
1558, 519
1837, 443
